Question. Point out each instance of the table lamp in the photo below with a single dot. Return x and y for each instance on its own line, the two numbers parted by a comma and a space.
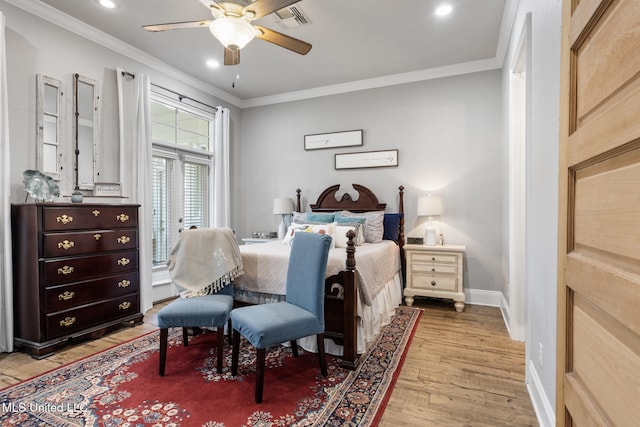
282, 206
430, 206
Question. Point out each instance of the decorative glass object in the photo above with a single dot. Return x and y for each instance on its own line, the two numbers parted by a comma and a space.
41, 187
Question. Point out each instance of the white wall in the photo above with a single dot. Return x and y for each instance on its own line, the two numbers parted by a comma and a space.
542, 195
447, 132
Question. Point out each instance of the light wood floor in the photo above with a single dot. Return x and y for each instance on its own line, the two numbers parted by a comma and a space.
461, 369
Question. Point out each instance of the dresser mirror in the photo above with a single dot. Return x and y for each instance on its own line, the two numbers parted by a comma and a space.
85, 109
48, 122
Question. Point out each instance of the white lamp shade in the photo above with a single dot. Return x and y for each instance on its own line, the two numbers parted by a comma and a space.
429, 205
282, 206
232, 31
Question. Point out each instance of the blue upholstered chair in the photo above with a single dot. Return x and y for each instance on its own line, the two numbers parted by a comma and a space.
202, 311
302, 314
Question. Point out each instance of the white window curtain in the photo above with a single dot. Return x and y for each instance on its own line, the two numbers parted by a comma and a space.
220, 181
135, 166
6, 278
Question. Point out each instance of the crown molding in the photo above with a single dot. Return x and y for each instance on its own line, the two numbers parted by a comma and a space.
394, 79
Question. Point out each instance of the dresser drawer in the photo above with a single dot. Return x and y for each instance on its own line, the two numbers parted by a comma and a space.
65, 297
434, 258
58, 272
450, 269
58, 218
435, 282
70, 321
84, 242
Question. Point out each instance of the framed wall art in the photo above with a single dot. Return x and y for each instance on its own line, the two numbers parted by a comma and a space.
349, 138
367, 159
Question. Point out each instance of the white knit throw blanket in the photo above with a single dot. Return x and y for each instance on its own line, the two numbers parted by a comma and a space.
203, 261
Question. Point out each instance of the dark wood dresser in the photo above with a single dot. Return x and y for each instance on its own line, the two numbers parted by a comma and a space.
75, 272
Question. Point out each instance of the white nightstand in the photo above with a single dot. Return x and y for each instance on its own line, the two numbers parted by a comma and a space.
255, 240
435, 271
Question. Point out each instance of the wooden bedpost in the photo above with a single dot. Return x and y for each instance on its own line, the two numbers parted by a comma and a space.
403, 261
350, 348
343, 299
298, 207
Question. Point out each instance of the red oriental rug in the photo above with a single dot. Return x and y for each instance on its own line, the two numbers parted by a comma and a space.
121, 386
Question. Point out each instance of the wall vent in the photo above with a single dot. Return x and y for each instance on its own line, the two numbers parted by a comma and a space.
291, 17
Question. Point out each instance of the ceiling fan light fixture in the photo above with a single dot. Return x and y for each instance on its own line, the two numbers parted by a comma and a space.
232, 31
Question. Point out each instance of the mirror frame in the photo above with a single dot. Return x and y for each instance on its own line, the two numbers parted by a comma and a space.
43, 116
85, 163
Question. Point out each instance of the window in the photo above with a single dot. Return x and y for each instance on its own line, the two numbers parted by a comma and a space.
182, 164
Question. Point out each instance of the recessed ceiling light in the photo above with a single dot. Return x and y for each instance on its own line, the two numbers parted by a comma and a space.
212, 63
109, 4
444, 10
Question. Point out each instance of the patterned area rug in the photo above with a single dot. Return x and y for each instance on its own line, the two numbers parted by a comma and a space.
121, 386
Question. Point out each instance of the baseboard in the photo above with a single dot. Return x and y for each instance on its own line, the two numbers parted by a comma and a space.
505, 309
543, 408
483, 297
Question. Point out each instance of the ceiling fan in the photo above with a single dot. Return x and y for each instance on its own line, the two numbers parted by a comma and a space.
233, 28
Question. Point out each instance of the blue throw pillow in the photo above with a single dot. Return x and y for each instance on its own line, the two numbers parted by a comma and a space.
320, 217
391, 224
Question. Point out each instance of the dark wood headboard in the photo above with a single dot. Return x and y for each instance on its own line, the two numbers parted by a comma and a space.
367, 201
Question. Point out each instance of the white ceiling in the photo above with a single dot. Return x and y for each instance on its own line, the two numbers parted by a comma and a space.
356, 43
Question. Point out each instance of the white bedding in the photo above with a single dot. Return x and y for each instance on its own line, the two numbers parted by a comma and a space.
265, 267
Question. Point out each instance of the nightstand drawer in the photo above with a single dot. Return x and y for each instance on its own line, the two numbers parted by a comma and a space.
450, 269
441, 283
431, 258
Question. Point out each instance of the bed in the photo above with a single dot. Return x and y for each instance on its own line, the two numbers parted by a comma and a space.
364, 280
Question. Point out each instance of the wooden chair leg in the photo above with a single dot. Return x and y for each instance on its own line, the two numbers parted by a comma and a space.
321, 356
220, 344
260, 362
235, 349
164, 333
185, 337
294, 348
229, 329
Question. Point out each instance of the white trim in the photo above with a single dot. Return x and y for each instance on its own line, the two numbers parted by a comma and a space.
394, 79
76, 26
543, 408
505, 309
483, 297
506, 26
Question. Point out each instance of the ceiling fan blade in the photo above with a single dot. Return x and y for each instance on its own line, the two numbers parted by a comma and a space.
177, 25
262, 8
231, 56
295, 45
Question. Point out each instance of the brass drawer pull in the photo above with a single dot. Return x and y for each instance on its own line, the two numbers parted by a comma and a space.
125, 305
96, 212
64, 219
123, 261
68, 321
66, 296
124, 283
124, 240
433, 283
65, 244
65, 270
97, 236
122, 217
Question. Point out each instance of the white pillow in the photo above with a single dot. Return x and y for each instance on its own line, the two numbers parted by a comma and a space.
340, 235
328, 229
373, 226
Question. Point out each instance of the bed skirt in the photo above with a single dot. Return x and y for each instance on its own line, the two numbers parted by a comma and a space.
370, 317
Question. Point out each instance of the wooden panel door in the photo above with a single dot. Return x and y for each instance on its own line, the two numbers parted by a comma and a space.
598, 381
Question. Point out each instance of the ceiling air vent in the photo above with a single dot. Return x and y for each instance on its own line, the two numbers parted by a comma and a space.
291, 17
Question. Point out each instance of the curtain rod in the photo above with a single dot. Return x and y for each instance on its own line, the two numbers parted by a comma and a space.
179, 95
